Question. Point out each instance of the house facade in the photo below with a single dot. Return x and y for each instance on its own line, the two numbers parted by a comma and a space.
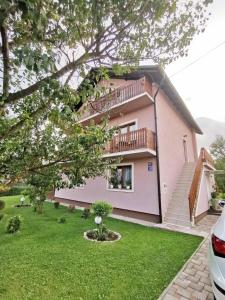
160, 176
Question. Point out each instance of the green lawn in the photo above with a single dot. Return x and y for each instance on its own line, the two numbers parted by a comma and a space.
48, 260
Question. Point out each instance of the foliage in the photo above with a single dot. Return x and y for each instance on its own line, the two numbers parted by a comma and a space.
101, 208
71, 208
86, 213
14, 224
217, 150
213, 203
56, 204
102, 234
46, 46
15, 190
221, 196
214, 195
62, 220
2, 204
74, 260
114, 180
1, 216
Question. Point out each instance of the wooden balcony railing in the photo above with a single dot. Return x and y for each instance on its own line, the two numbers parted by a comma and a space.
141, 138
117, 96
204, 157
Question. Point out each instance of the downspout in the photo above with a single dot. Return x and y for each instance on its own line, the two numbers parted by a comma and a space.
157, 148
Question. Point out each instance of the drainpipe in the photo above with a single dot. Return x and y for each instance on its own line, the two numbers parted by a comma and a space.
157, 148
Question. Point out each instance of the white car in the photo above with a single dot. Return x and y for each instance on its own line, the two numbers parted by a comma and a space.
217, 257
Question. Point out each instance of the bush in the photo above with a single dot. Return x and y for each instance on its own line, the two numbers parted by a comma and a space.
1, 216
14, 224
2, 204
86, 213
213, 203
71, 208
101, 208
62, 220
56, 204
15, 190
213, 195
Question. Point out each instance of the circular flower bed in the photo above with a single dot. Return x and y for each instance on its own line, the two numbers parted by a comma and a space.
109, 236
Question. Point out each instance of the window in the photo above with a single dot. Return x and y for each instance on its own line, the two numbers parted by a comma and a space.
121, 178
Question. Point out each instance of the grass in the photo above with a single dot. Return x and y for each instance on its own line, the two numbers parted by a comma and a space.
48, 260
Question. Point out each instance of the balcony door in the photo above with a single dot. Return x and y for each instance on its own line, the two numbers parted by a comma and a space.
129, 127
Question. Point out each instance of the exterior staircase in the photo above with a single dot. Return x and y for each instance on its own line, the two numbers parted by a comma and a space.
178, 211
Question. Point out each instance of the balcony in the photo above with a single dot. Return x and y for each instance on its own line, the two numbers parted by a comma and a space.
139, 90
137, 143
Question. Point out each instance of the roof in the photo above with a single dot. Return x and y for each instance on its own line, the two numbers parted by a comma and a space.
157, 75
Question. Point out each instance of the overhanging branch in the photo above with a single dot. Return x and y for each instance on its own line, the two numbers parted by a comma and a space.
5, 55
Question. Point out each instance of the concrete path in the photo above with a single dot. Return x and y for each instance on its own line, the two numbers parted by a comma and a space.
193, 282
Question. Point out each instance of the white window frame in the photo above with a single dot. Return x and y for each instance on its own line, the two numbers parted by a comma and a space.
132, 179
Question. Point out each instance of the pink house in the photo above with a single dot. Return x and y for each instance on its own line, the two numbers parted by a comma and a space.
160, 177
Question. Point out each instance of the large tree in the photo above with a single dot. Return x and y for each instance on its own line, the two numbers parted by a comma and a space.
217, 149
47, 47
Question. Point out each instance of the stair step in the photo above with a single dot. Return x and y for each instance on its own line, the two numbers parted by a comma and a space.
177, 222
177, 216
178, 210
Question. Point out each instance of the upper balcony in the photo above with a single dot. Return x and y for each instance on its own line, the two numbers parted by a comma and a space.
137, 143
137, 94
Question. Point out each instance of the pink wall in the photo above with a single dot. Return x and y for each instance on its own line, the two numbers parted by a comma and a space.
144, 117
144, 198
171, 129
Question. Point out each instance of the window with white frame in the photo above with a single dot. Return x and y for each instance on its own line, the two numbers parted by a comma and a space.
121, 178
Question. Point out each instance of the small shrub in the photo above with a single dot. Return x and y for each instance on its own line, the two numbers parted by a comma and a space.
86, 213
1, 216
62, 220
14, 224
101, 208
56, 205
213, 203
2, 204
71, 208
15, 190
214, 195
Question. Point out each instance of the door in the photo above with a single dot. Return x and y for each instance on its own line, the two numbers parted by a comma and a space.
185, 148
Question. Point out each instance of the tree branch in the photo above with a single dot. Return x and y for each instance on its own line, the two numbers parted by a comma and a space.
13, 97
5, 54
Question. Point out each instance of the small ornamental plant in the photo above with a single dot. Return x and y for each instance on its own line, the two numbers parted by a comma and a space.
86, 213
71, 208
62, 220
56, 205
14, 224
2, 204
101, 210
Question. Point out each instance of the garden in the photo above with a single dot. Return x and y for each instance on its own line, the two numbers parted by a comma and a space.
49, 258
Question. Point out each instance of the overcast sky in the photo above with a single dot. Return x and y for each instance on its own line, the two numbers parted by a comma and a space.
202, 85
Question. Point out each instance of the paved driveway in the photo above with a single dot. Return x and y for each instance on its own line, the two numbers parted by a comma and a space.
193, 281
